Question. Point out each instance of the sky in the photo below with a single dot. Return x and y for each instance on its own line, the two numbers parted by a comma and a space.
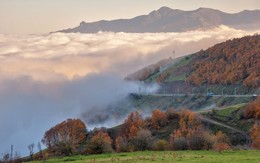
44, 16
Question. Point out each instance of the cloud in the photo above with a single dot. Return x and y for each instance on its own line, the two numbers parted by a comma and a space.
57, 56
48, 78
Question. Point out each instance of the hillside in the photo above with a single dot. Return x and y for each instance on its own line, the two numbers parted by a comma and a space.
172, 20
234, 62
237, 56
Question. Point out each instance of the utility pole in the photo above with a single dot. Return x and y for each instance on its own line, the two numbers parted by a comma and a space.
235, 91
12, 152
173, 52
223, 91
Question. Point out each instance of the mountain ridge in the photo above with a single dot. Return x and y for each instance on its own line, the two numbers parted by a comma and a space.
166, 19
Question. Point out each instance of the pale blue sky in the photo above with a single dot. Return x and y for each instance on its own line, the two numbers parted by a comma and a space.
42, 16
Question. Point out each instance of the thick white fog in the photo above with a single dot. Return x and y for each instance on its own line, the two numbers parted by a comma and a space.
46, 79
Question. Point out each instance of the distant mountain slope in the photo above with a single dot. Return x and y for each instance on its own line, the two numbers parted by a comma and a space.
169, 20
232, 62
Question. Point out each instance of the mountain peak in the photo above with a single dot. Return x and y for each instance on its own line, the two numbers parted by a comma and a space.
82, 23
165, 9
166, 19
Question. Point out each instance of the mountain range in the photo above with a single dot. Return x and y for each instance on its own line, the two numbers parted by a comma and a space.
173, 20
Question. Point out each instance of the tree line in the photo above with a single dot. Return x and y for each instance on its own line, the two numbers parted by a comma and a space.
137, 133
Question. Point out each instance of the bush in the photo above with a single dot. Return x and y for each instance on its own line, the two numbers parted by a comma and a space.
161, 145
142, 141
100, 143
200, 139
122, 144
219, 147
179, 144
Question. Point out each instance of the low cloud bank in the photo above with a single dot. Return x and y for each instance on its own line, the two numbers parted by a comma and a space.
46, 79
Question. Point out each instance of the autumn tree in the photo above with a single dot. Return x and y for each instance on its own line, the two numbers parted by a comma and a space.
158, 119
253, 110
255, 136
122, 144
65, 137
132, 125
222, 142
190, 134
100, 143
188, 121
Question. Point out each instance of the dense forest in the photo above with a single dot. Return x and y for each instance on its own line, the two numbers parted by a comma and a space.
230, 62
235, 61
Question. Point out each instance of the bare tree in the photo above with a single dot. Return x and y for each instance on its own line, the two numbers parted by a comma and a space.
5, 156
39, 145
30, 147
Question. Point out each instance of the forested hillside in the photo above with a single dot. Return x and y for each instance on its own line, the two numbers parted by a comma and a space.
233, 61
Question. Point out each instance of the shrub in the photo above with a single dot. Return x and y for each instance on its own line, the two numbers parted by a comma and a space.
161, 145
100, 143
219, 147
142, 141
179, 143
122, 144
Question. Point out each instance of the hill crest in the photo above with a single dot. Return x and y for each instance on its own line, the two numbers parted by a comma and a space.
166, 19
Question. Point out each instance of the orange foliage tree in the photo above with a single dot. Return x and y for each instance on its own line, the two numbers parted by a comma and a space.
253, 110
132, 125
65, 137
188, 121
158, 119
190, 134
222, 142
255, 136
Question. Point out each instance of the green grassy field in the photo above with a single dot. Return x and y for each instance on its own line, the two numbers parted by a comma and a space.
166, 156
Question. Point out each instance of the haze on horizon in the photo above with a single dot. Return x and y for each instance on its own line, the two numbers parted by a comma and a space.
37, 16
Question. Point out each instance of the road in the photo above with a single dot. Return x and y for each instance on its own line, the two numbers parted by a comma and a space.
181, 95
244, 134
